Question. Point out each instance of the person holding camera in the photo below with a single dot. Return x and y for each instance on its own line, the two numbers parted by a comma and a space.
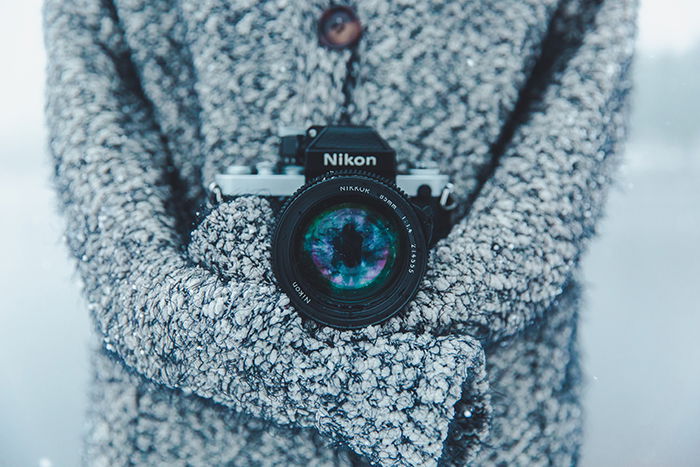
312, 233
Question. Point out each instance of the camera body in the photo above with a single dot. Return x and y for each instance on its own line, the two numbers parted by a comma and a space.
321, 150
351, 242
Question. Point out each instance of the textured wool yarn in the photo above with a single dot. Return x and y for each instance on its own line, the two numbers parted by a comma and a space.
198, 358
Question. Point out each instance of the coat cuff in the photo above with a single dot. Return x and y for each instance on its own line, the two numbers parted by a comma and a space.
401, 401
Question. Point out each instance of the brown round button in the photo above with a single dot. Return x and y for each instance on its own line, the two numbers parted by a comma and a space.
339, 27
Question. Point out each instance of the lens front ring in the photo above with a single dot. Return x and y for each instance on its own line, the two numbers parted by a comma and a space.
357, 285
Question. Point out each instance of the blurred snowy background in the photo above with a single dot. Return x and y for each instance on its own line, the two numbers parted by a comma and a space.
640, 328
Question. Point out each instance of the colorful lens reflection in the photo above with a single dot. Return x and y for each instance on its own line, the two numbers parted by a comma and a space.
351, 246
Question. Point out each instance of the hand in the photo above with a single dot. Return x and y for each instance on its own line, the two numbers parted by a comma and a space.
234, 242
390, 394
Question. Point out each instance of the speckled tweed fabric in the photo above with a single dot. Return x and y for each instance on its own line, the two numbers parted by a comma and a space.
198, 358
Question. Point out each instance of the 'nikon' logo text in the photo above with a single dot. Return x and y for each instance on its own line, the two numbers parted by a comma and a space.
344, 158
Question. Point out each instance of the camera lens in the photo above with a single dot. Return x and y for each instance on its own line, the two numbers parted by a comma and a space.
349, 250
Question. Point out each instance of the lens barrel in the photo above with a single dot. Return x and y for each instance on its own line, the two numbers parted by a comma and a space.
349, 249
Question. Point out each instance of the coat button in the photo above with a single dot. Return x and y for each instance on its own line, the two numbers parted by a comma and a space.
339, 27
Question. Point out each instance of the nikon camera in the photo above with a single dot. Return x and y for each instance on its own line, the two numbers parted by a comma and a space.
352, 237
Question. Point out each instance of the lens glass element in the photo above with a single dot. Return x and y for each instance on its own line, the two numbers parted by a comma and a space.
349, 250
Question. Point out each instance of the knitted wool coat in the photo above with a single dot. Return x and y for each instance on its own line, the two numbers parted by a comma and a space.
199, 359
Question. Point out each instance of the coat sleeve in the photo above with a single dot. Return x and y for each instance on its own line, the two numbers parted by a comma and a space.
512, 255
390, 396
